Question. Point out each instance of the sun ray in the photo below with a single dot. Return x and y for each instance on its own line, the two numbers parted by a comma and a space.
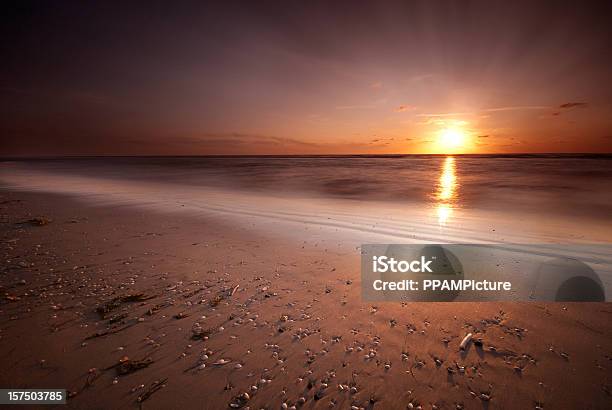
452, 139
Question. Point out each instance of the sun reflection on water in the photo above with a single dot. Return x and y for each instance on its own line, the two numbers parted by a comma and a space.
446, 193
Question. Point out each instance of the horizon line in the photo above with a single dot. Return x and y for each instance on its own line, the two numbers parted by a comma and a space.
505, 154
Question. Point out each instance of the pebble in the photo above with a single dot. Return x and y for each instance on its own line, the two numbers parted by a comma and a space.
221, 362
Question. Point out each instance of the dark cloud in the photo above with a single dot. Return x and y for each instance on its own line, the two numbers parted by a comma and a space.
403, 108
573, 105
383, 140
483, 136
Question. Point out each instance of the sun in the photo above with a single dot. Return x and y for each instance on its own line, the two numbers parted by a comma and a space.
451, 138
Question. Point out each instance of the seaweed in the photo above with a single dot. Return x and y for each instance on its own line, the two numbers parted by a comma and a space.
118, 301
155, 386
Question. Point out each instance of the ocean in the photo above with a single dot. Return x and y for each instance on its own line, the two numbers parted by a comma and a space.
534, 208
576, 186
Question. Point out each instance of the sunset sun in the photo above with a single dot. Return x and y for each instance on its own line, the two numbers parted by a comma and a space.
451, 138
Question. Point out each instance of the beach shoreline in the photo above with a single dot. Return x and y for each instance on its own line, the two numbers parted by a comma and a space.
276, 319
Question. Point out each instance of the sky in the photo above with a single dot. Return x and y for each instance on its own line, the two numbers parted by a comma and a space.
190, 78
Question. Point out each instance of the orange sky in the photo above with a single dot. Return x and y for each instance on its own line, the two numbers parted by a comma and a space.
278, 78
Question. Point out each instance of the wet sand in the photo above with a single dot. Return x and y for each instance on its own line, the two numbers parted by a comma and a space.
111, 300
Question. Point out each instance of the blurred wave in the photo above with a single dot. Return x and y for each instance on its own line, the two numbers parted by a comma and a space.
565, 184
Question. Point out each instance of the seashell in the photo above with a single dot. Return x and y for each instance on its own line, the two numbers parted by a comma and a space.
221, 362
465, 341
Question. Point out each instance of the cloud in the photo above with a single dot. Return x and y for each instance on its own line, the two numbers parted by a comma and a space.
573, 105
483, 136
239, 138
369, 106
569, 106
226, 140
236, 143
403, 108
381, 141
555, 113
517, 108
376, 85
355, 107
446, 114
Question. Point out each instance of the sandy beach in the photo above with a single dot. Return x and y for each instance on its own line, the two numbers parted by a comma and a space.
125, 305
